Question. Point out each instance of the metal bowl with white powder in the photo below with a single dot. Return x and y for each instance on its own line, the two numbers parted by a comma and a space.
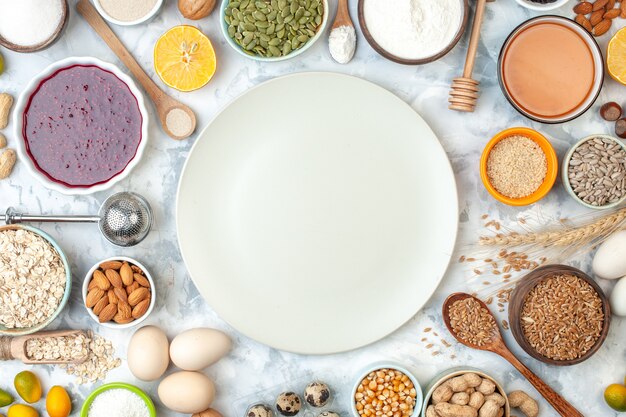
413, 32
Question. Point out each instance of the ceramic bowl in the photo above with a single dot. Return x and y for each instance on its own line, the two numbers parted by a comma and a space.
48, 42
457, 371
112, 324
565, 176
551, 158
529, 282
387, 365
542, 7
155, 10
596, 54
18, 122
383, 52
293, 54
68, 283
84, 412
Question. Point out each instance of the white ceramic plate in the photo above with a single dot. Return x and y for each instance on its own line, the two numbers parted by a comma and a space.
317, 213
18, 121
542, 6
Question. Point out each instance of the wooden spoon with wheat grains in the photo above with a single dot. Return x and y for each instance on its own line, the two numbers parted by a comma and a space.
496, 344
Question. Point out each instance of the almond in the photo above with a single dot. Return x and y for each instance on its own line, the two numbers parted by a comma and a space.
93, 296
612, 14
126, 272
104, 301
596, 17
107, 313
584, 22
602, 27
120, 294
122, 320
141, 280
136, 269
114, 278
112, 297
138, 296
124, 310
92, 284
599, 4
622, 7
110, 265
141, 308
583, 8
101, 280
610, 4
132, 287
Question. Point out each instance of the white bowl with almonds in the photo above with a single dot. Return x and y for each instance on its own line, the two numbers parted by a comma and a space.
119, 292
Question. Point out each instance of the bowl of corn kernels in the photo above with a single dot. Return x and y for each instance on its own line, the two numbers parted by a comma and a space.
386, 389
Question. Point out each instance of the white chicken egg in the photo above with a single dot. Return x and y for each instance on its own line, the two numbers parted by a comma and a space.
195, 349
618, 298
609, 261
187, 392
148, 353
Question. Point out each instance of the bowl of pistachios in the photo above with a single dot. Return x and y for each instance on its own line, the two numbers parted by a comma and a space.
273, 30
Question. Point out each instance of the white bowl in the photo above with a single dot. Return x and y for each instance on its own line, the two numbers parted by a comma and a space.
417, 408
18, 122
112, 324
542, 7
145, 19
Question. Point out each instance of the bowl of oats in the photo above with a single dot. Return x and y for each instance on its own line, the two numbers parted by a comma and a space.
35, 280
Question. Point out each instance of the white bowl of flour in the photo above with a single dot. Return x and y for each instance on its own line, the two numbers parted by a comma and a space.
413, 32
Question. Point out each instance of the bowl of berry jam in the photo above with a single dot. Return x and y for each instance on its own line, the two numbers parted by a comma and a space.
81, 126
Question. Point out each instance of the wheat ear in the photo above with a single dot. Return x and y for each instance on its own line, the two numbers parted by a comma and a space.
559, 238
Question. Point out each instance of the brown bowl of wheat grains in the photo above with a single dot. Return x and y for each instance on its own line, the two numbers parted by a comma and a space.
559, 315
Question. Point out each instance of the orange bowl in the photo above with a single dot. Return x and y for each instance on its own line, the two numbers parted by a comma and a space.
551, 159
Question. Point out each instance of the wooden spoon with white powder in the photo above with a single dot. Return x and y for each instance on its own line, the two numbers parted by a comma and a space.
177, 119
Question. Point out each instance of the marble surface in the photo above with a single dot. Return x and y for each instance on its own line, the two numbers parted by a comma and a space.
255, 372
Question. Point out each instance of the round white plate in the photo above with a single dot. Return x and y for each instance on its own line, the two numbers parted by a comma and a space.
317, 213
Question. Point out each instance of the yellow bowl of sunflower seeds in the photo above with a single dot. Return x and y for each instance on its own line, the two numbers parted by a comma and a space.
37, 280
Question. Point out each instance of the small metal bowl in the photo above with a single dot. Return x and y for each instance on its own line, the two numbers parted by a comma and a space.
382, 51
65, 13
529, 282
84, 412
68, 283
451, 373
387, 365
320, 30
111, 324
565, 175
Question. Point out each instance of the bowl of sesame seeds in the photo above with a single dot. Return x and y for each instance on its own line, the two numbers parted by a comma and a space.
519, 166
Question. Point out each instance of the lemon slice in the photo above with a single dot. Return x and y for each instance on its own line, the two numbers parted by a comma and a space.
184, 58
616, 56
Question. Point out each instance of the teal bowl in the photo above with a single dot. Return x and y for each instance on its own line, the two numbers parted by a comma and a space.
68, 283
84, 412
293, 54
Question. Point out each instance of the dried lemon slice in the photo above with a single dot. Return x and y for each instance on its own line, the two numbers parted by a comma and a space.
184, 58
616, 56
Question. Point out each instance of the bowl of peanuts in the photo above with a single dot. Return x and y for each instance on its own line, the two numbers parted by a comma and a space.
386, 389
118, 292
465, 392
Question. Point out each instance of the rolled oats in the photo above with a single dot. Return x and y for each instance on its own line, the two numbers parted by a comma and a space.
100, 360
59, 348
32, 279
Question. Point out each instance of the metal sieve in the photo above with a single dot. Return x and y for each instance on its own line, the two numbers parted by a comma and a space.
124, 218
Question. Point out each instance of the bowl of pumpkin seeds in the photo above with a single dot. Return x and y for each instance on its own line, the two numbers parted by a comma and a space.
273, 30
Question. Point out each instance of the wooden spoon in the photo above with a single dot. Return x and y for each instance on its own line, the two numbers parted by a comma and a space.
15, 347
343, 16
498, 346
164, 104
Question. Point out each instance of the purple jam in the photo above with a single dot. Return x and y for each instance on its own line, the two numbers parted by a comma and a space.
82, 126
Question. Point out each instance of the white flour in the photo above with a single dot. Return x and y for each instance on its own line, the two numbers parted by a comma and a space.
29, 22
127, 10
413, 29
342, 43
118, 402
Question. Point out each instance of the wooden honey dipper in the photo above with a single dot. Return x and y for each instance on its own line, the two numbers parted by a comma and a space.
464, 91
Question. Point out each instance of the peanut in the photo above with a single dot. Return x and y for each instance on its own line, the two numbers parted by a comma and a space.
486, 387
476, 400
442, 394
460, 398
463, 382
7, 162
489, 409
454, 410
527, 405
497, 398
6, 101
3, 141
